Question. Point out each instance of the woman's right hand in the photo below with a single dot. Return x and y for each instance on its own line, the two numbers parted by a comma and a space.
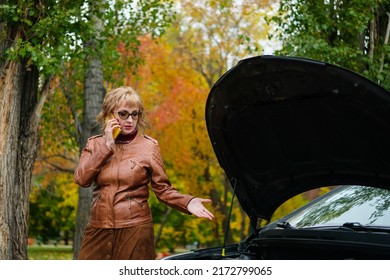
108, 131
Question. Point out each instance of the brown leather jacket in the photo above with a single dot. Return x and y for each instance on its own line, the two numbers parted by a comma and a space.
122, 176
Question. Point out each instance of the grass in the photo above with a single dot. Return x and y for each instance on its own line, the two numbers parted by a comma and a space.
50, 252
61, 252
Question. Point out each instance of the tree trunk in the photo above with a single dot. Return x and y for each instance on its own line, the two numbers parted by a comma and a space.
371, 49
243, 233
222, 207
386, 41
18, 149
163, 222
94, 92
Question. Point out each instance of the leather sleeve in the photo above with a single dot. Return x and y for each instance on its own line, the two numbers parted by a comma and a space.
92, 158
162, 187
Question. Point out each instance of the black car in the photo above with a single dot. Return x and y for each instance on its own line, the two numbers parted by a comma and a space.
281, 126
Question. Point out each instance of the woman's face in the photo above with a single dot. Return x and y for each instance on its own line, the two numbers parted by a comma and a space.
127, 117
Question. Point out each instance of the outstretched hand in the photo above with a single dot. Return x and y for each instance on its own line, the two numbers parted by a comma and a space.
197, 208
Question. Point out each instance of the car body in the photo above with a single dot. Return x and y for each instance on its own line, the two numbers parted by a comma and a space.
281, 126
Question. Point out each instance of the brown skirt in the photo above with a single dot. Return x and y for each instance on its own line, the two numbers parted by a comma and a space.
134, 243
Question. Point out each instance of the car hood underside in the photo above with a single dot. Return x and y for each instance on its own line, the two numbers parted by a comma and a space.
281, 126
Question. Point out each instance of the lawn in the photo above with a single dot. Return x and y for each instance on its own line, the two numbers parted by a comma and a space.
49, 252
62, 252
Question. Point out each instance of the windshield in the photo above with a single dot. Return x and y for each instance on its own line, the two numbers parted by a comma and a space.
353, 204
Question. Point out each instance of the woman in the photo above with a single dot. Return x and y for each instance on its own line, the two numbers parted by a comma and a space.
120, 225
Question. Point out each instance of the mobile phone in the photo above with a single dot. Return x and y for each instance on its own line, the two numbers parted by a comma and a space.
116, 130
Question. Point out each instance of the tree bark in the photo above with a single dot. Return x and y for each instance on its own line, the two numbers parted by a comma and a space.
18, 149
93, 96
94, 92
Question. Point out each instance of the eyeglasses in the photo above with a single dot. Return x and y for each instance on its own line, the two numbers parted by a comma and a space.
124, 115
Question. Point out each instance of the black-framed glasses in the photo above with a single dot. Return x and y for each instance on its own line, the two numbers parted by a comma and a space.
124, 115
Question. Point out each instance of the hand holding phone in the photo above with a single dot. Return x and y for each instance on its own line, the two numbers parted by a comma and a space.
115, 130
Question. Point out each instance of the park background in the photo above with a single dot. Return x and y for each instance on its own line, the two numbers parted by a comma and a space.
58, 58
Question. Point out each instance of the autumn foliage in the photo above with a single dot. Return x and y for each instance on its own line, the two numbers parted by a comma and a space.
174, 80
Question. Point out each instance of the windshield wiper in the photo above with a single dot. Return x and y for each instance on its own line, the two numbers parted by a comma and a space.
358, 227
285, 225
354, 226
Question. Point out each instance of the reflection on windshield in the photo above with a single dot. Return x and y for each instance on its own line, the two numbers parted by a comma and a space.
366, 205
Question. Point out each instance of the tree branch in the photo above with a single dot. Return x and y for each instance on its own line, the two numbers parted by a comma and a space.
36, 116
61, 168
47, 158
68, 97
385, 42
372, 39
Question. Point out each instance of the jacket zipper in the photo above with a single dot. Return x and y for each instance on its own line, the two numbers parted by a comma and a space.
96, 202
118, 160
130, 199
97, 198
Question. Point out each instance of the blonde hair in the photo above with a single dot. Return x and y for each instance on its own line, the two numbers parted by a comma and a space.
114, 97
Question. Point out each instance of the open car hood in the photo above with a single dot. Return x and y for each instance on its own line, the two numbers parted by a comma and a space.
280, 126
